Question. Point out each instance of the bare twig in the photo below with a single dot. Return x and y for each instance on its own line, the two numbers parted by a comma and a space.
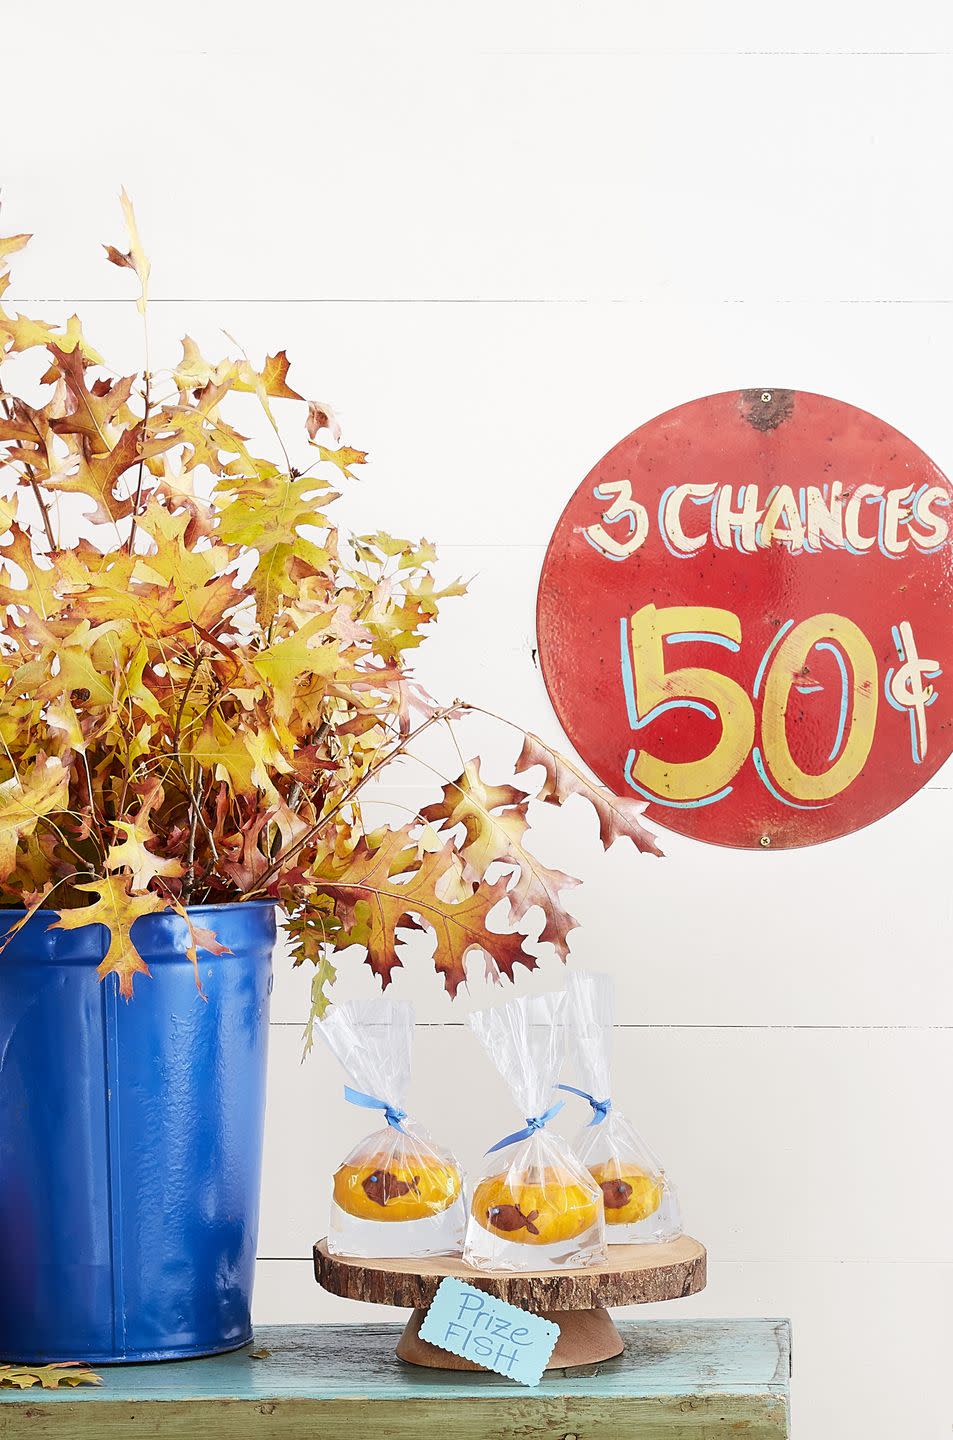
137, 499
34, 486
314, 830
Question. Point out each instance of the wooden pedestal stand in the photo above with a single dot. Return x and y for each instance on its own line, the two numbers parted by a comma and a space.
576, 1300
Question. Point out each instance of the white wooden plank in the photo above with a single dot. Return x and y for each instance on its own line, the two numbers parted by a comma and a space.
333, 33
785, 1144
871, 1341
605, 175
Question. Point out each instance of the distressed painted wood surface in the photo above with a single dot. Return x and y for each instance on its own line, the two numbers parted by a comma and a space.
697, 1380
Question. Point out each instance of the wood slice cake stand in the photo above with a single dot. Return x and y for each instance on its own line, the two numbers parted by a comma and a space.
575, 1300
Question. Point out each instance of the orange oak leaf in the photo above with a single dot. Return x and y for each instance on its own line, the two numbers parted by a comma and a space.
493, 816
200, 938
494, 822
388, 895
95, 406
118, 909
274, 377
96, 476
618, 816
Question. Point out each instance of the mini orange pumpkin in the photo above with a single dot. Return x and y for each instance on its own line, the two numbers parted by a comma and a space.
629, 1194
382, 1189
553, 1206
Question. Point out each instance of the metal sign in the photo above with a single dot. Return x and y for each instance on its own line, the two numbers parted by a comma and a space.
744, 618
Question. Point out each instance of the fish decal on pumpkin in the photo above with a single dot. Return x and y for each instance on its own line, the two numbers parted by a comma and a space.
511, 1217
383, 1186
615, 1193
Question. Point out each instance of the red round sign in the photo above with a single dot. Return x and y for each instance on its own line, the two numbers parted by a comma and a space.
744, 616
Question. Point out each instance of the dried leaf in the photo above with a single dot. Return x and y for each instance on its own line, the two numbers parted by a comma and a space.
24, 802
391, 884
11, 244
118, 909
134, 258
50, 1377
618, 816
322, 417
494, 822
343, 458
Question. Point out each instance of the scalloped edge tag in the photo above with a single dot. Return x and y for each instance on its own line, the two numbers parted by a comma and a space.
493, 1334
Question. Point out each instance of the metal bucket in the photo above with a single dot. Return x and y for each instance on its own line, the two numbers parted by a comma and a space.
131, 1139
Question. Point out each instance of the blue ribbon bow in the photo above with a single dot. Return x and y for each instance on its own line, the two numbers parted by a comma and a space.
600, 1108
533, 1122
392, 1115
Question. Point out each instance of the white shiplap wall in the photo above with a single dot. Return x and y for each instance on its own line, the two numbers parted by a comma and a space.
498, 238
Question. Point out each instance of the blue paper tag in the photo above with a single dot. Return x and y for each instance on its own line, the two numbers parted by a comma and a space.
478, 1327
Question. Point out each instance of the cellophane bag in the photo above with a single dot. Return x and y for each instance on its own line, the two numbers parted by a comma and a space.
397, 1193
535, 1206
639, 1199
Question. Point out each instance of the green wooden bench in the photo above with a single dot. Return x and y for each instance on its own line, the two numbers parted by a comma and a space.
692, 1379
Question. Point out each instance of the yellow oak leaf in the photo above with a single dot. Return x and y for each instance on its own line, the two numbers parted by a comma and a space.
40, 592
309, 651
43, 790
9, 245
225, 753
343, 458
133, 854
199, 426
323, 978
61, 716
19, 333
49, 1377
262, 747
118, 910
194, 371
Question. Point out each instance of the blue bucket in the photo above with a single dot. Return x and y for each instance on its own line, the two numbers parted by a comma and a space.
130, 1139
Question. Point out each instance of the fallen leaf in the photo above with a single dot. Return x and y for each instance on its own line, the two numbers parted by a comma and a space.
50, 1377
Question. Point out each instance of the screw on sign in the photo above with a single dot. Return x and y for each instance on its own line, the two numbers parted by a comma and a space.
744, 618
